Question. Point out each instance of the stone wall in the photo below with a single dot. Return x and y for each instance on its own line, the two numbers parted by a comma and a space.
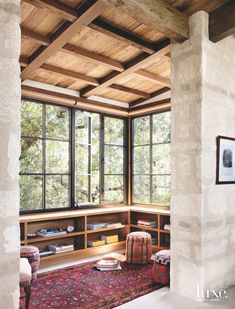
203, 214
9, 152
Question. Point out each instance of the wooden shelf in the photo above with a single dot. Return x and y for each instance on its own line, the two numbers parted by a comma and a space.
128, 216
40, 238
144, 227
106, 229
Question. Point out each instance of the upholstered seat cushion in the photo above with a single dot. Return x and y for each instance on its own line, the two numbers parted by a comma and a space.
32, 254
25, 270
163, 257
138, 247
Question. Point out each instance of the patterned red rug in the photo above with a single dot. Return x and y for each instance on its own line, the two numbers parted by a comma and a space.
82, 286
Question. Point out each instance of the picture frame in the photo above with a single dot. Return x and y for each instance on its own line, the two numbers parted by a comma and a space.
225, 160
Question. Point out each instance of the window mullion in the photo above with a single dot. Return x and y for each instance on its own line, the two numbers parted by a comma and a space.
44, 155
101, 159
151, 158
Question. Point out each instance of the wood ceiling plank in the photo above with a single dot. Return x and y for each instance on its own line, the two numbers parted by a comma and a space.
154, 77
131, 67
36, 37
97, 58
122, 35
56, 7
63, 36
68, 73
158, 15
130, 90
222, 22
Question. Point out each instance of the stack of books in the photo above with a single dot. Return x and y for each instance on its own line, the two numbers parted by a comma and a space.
109, 239
147, 223
60, 248
108, 264
51, 232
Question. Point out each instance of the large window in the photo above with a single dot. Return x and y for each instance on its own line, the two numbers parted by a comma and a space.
151, 159
45, 164
70, 158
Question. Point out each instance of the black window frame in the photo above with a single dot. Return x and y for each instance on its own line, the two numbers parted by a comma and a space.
150, 174
73, 205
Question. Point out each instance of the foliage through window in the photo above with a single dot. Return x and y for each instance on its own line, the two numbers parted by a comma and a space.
70, 157
151, 159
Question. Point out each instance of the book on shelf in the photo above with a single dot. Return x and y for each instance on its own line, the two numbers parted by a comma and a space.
114, 224
43, 253
154, 240
147, 223
60, 248
50, 234
108, 265
167, 227
96, 225
95, 243
109, 239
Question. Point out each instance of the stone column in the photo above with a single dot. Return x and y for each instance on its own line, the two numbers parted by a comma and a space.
9, 152
203, 213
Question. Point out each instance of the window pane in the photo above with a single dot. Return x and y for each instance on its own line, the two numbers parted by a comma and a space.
161, 159
95, 127
161, 190
57, 157
113, 160
113, 131
141, 159
57, 191
141, 130
141, 189
82, 159
57, 122
31, 119
95, 187
82, 192
161, 128
82, 128
30, 192
31, 155
113, 188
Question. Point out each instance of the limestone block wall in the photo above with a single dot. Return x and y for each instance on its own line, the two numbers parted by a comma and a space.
9, 151
203, 222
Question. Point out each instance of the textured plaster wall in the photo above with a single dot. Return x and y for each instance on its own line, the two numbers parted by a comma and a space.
9, 152
203, 214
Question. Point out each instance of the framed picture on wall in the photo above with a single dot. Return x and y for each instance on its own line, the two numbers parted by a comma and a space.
225, 165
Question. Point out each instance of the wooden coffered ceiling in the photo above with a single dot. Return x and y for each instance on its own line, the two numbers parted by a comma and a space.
113, 49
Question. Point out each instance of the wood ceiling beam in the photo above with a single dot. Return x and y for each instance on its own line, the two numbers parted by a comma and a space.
154, 77
122, 88
68, 13
152, 95
71, 74
97, 58
222, 22
158, 15
23, 61
74, 50
135, 108
63, 35
131, 67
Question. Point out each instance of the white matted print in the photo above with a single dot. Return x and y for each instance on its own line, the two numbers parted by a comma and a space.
225, 169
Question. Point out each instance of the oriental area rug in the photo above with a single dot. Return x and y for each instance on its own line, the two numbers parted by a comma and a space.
82, 286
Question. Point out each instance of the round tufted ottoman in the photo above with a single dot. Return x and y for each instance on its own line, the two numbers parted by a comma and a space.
138, 247
161, 267
32, 254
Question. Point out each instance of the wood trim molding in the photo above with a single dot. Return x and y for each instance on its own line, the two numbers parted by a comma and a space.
153, 95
